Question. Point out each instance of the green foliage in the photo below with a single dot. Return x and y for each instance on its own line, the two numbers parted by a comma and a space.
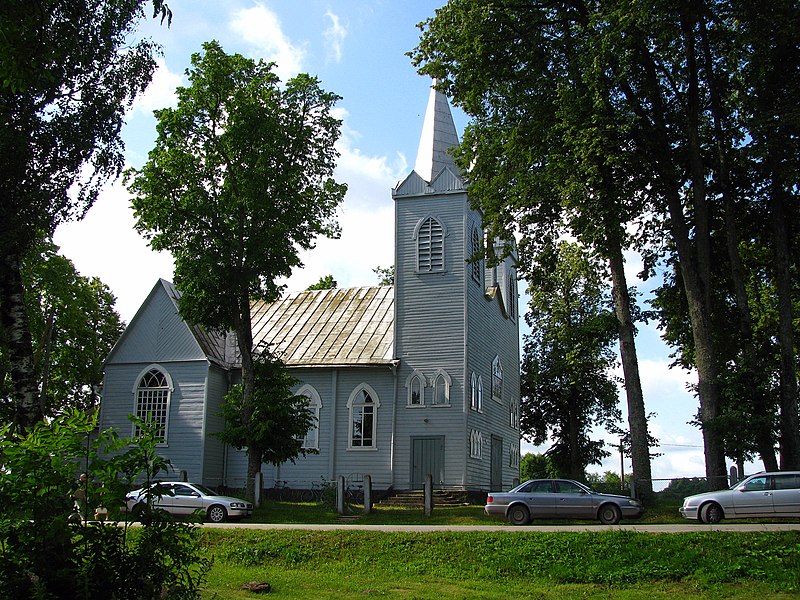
45, 553
324, 283
68, 72
74, 326
385, 275
275, 421
239, 181
566, 386
536, 466
686, 486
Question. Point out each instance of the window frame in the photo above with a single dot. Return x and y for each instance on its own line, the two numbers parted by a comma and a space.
354, 403
168, 388
476, 246
497, 379
311, 439
424, 232
447, 382
419, 378
475, 444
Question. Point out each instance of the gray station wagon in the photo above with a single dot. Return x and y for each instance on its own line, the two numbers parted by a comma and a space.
761, 495
181, 498
560, 499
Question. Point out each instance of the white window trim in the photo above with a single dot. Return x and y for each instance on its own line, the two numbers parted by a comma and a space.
416, 374
448, 382
476, 444
376, 405
497, 365
475, 245
415, 237
135, 392
314, 406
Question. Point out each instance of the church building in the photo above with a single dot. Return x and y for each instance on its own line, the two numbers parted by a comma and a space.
421, 377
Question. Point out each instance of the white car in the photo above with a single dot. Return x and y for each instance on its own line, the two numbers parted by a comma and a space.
180, 498
761, 495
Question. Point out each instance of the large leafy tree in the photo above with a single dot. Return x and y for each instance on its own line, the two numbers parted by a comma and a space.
567, 388
74, 326
676, 116
240, 179
68, 71
546, 151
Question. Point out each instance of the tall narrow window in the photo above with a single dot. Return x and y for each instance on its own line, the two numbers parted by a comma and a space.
311, 439
152, 401
480, 393
512, 295
416, 389
363, 406
473, 391
476, 250
475, 444
441, 388
430, 246
497, 379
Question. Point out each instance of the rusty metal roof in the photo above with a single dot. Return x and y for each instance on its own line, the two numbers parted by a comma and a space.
340, 327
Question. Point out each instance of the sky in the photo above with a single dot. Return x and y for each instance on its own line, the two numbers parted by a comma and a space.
357, 48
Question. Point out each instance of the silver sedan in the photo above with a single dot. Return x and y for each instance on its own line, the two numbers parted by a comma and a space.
560, 499
181, 498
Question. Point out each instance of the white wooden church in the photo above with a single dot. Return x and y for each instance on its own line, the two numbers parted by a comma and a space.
405, 380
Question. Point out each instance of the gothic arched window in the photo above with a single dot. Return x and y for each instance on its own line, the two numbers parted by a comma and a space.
430, 246
153, 391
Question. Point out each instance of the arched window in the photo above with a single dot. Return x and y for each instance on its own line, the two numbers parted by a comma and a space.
475, 250
153, 391
476, 392
441, 388
475, 444
363, 405
514, 408
430, 235
311, 439
497, 379
416, 389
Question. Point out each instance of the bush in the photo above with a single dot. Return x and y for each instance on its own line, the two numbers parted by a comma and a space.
45, 552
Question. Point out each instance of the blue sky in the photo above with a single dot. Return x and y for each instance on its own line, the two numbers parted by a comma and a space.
357, 49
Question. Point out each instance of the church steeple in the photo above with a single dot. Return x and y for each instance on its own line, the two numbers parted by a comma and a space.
438, 136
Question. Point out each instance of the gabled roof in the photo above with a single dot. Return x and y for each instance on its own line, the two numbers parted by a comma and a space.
212, 344
336, 327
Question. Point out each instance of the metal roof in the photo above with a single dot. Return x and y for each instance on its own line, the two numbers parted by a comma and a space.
336, 327
438, 136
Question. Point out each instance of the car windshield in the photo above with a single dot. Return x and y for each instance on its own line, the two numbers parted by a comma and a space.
204, 490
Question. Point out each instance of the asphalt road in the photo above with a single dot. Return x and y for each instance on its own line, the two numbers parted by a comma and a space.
670, 528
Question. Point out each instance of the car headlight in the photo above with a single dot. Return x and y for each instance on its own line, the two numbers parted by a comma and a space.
237, 504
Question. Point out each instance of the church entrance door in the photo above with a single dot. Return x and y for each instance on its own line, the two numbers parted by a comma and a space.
427, 456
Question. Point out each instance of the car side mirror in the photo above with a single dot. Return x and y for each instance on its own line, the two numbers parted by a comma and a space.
195, 494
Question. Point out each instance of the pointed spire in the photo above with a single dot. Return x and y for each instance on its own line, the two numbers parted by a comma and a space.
438, 135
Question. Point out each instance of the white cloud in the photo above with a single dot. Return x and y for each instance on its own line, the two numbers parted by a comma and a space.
334, 37
161, 91
260, 28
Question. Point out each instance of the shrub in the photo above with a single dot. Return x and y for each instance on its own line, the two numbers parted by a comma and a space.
46, 553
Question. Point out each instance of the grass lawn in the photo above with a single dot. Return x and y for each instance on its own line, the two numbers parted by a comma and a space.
506, 564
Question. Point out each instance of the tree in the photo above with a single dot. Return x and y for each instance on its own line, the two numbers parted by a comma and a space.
73, 325
278, 419
671, 121
324, 283
385, 275
239, 181
536, 466
68, 71
566, 383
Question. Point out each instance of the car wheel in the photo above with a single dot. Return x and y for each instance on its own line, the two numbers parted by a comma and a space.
610, 514
217, 514
711, 513
138, 510
519, 515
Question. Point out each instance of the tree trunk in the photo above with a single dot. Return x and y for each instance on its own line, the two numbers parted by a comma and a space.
789, 436
25, 392
244, 334
637, 417
762, 416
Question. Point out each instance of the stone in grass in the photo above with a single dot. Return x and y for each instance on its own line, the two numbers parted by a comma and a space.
257, 587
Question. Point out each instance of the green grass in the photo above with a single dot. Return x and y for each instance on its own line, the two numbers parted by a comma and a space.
312, 513
507, 564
